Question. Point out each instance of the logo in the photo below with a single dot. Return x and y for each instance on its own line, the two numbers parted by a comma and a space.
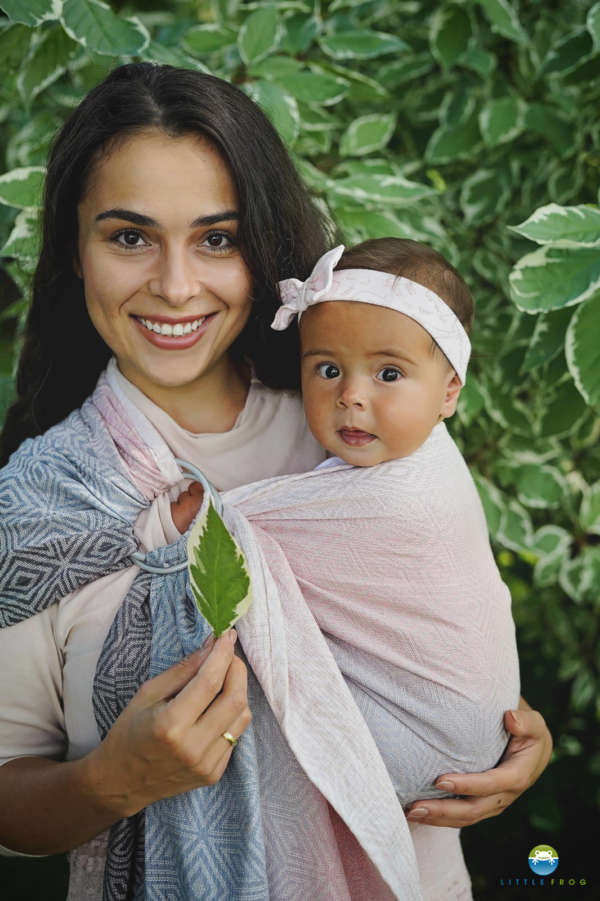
543, 860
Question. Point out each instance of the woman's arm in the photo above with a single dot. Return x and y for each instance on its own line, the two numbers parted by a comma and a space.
488, 794
168, 740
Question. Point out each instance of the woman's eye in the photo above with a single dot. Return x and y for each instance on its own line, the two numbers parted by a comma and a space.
389, 374
328, 370
129, 237
219, 241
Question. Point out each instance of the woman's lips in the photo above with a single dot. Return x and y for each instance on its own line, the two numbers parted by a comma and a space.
355, 437
173, 342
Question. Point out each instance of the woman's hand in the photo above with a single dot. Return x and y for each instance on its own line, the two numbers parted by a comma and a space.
169, 739
488, 794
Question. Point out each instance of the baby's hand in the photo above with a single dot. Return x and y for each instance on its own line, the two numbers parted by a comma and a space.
187, 505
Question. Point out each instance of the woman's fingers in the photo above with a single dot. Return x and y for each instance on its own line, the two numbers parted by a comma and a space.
204, 686
488, 794
169, 683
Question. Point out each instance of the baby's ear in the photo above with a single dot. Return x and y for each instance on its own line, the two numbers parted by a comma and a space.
453, 386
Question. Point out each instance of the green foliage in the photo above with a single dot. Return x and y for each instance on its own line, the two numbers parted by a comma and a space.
448, 123
218, 573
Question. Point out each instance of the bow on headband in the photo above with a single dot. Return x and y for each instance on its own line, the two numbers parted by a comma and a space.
380, 289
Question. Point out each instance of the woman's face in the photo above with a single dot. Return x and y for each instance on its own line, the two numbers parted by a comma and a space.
165, 283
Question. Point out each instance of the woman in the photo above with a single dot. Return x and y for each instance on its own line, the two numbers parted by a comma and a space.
171, 211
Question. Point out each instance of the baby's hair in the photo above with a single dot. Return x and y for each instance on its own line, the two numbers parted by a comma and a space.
418, 262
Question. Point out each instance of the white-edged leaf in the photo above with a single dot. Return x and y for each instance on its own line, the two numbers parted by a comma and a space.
300, 32
367, 134
504, 20
46, 62
582, 350
553, 277
562, 226
548, 338
589, 513
580, 577
31, 12
502, 119
449, 34
314, 87
93, 24
389, 190
569, 53
515, 531
360, 44
484, 195
207, 38
407, 68
451, 142
359, 224
540, 485
492, 501
171, 56
260, 34
24, 240
563, 413
471, 401
218, 572
22, 187
593, 24
551, 541
280, 107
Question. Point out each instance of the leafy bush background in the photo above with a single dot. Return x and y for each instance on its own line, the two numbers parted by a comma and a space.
450, 123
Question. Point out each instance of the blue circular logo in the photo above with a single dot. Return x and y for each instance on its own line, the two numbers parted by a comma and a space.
543, 860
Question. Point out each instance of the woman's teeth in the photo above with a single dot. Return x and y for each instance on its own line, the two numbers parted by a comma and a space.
180, 328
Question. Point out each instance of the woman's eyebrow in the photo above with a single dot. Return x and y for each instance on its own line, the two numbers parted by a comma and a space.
141, 219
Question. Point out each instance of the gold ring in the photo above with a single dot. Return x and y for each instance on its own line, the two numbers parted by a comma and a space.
229, 737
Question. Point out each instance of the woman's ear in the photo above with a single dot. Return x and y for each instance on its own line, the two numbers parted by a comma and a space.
453, 386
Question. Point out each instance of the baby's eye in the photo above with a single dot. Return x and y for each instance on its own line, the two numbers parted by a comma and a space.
129, 237
389, 374
328, 370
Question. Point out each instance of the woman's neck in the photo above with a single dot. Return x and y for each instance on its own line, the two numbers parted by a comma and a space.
211, 403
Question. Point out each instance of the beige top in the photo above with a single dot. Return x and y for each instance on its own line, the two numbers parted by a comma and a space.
50, 659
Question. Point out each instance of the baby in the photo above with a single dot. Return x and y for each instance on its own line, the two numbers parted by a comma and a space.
387, 539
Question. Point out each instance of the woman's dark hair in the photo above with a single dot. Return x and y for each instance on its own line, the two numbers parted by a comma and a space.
420, 263
280, 231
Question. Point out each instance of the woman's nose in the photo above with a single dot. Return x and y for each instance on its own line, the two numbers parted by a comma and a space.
177, 278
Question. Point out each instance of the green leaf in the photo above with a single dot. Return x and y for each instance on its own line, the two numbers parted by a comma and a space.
260, 34
515, 531
479, 60
407, 68
564, 412
171, 56
580, 577
471, 401
314, 87
451, 142
390, 190
504, 20
553, 277
22, 187
548, 338
584, 688
551, 541
47, 61
279, 106
593, 24
540, 486
300, 32
360, 44
568, 54
366, 134
543, 119
359, 224
449, 34
492, 502
563, 226
484, 195
218, 573
31, 12
94, 25
582, 350
502, 120
24, 240
589, 514
208, 38
14, 45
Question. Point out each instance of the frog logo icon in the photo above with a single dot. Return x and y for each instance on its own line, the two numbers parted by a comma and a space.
543, 860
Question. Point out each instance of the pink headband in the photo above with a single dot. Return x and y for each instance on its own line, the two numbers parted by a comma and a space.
383, 290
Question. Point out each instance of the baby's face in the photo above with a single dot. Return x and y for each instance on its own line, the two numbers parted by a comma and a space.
372, 385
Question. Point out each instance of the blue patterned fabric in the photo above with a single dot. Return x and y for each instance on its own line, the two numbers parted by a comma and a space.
67, 509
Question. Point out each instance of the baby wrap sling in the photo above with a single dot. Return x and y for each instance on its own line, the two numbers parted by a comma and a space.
68, 500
